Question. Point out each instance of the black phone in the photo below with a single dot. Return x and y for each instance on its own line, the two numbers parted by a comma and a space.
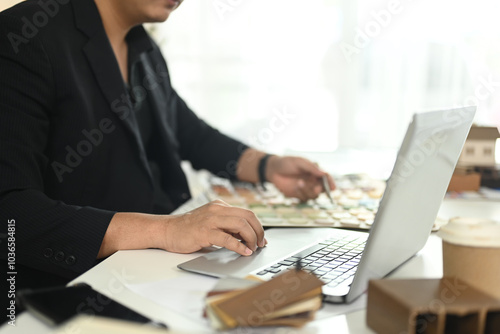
57, 305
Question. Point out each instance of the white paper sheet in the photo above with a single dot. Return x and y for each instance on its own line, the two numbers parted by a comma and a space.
184, 294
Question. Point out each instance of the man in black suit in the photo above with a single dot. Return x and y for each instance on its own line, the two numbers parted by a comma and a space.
91, 140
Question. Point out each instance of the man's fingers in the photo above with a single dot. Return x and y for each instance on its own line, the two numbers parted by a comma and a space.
222, 239
309, 189
309, 167
241, 227
251, 220
237, 221
301, 191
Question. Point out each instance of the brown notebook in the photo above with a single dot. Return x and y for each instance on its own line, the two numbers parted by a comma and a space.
290, 299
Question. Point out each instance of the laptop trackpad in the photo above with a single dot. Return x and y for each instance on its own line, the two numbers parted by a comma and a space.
224, 263
282, 244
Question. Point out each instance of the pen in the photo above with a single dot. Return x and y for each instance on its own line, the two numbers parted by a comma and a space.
326, 186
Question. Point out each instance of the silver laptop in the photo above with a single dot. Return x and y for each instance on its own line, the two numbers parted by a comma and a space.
347, 260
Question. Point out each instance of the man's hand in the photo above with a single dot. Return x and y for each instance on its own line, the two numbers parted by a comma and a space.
297, 177
215, 223
293, 176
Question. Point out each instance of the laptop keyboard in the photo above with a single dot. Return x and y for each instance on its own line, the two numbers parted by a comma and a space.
333, 260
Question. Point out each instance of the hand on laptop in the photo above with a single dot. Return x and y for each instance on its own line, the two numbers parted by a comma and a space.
216, 223
297, 177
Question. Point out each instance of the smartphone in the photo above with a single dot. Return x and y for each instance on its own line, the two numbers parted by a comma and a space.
57, 305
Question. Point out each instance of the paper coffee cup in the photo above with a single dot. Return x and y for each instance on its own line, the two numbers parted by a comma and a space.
471, 252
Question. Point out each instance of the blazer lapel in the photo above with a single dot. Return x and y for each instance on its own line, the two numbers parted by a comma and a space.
106, 70
107, 73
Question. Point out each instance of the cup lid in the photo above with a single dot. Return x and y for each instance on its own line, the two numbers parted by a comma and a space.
475, 232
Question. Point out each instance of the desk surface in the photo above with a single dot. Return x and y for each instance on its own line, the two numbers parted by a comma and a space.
141, 266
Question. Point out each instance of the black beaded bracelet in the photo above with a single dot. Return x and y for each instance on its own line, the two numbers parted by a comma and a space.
262, 169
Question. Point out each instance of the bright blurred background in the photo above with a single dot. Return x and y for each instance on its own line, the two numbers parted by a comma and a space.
314, 76
343, 73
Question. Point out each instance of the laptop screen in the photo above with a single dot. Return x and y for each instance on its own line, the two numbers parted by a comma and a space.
414, 193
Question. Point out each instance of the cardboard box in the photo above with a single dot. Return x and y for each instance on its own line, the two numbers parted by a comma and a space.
430, 306
465, 182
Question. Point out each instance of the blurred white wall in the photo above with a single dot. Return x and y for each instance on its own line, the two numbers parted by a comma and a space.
256, 71
347, 73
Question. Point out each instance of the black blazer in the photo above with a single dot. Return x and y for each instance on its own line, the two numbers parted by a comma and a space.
70, 154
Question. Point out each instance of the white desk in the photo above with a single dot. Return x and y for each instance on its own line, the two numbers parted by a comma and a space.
142, 266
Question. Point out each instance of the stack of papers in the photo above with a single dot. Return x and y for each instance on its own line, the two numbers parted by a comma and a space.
290, 299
